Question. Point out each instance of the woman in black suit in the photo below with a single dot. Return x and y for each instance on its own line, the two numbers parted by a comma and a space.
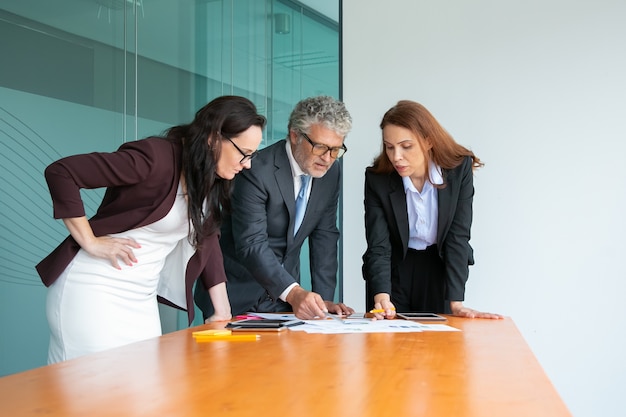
418, 216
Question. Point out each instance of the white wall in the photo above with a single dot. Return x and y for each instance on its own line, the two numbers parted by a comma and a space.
538, 90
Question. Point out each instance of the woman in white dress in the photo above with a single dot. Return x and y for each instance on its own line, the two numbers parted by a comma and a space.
155, 232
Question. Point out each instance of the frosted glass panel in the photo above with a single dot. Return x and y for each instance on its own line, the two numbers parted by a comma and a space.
87, 75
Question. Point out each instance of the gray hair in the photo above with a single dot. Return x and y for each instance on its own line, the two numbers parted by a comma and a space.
323, 110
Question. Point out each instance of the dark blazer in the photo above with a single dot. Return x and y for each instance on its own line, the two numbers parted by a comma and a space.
142, 178
261, 255
387, 229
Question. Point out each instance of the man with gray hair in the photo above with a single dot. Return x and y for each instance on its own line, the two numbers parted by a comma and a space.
290, 194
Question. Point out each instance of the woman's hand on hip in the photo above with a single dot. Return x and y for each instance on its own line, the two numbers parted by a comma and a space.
114, 249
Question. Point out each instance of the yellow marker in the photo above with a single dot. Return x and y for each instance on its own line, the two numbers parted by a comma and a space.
211, 332
229, 338
380, 310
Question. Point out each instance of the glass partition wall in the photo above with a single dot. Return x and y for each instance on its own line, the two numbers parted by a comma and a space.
87, 75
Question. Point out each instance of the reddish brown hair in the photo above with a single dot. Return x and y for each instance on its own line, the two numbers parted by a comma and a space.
444, 150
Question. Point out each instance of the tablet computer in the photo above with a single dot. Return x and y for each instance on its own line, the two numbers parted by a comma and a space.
422, 316
264, 324
258, 329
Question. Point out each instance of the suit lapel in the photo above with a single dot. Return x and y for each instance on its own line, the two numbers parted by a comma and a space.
284, 180
444, 205
397, 198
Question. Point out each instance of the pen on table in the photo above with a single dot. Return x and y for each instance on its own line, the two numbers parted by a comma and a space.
332, 316
381, 310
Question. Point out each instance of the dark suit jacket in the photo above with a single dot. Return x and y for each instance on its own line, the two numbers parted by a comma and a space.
142, 178
387, 229
261, 255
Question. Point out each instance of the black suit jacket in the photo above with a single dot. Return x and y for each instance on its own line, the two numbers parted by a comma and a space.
387, 229
261, 255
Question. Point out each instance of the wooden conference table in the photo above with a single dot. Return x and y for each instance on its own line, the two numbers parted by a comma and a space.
487, 369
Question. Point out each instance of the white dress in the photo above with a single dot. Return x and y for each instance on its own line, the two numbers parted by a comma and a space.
93, 307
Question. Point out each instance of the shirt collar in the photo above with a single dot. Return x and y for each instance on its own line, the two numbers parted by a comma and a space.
296, 171
434, 172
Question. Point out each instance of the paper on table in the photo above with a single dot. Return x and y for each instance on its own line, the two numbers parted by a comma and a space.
439, 328
358, 324
274, 316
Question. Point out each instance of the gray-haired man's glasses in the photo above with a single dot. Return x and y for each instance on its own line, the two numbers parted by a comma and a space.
320, 149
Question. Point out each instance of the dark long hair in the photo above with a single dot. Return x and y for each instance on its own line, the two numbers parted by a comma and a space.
444, 151
202, 145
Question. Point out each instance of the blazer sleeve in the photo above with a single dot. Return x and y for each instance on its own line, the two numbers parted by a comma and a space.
456, 251
131, 164
213, 262
377, 258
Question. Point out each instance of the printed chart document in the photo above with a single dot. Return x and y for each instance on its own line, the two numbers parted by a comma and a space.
358, 324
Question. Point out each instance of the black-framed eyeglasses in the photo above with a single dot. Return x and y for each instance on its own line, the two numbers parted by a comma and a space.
320, 149
246, 156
